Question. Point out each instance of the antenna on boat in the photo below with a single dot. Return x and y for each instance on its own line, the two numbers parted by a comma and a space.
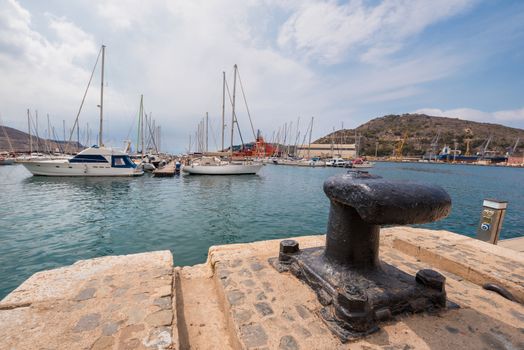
100, 142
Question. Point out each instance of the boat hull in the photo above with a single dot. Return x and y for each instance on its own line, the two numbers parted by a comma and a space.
364, 165
229, 169
64, 168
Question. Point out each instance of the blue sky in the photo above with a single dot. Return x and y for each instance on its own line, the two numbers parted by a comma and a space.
341, 62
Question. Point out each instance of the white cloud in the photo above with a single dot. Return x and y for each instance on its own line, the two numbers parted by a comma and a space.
506, 116
174, 53
327, 31
37, 71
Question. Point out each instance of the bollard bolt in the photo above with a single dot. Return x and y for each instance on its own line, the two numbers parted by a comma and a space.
431, 278
287, 247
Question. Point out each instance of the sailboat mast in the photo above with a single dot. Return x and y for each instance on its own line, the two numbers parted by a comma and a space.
48, 141
309, 145
207, 132
142, 124
29, 132
78, 137
233, 106
100, 142
223, 107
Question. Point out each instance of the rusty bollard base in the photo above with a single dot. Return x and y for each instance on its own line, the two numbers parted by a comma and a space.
355, 301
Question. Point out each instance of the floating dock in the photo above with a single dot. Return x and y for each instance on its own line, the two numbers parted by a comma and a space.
237, 300
168, 170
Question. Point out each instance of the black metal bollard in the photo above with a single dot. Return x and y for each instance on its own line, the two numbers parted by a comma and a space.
361, 202
356, 289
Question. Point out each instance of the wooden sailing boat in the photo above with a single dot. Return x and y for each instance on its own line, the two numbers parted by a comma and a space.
215, 165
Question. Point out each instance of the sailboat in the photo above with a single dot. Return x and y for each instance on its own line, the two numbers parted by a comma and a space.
93, 161
215, 165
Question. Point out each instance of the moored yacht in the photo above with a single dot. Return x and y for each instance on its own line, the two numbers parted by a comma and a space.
93, 161
216, 166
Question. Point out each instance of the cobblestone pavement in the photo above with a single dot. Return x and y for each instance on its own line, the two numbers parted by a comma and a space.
271, 310
237, 300
122, 302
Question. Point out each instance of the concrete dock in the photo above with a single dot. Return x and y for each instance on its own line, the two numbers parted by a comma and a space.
237, 300
513, 243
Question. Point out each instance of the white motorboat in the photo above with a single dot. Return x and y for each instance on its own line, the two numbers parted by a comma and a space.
93, 161
215, 166
337, 162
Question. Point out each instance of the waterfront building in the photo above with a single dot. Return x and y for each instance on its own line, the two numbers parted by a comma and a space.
327, 150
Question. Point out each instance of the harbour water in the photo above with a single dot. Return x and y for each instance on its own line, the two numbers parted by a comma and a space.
51, 222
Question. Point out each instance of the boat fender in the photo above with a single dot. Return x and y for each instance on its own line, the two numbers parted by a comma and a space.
500, 290
85, 168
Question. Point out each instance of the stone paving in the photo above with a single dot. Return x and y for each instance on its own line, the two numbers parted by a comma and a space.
237, 300
271, 310
122, 302
471, 259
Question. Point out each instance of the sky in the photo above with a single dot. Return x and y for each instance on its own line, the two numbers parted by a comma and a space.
341, 62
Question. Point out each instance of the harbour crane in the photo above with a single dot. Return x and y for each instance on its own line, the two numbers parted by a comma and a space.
400, 146
434, 146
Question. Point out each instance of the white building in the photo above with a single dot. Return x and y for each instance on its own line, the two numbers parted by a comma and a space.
327, 150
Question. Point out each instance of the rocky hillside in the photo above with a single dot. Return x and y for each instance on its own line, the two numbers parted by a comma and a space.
419, 131
13, 140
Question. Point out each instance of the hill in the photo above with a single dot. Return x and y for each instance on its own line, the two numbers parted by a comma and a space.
383, 134
18, 141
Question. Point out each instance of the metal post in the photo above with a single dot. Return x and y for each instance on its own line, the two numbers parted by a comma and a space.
491, 219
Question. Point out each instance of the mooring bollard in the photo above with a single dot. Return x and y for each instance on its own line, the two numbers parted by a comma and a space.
491, 219
356, 289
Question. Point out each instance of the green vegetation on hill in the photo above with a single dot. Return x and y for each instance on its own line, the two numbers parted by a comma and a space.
384, 134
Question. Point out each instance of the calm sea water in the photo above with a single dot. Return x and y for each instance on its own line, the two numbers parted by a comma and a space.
51, 222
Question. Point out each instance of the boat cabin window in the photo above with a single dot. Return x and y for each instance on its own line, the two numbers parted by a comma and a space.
122, 162
88, 158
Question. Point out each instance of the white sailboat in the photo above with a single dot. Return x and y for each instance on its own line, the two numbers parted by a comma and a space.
93, 161
217, 166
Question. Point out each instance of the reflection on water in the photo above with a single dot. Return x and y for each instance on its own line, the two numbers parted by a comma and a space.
48, 222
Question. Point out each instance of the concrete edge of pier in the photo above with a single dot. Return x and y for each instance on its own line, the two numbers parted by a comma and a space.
237, 300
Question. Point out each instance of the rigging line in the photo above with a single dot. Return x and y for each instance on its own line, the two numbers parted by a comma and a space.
305, 135
83, 98
236, 119
303, 141
213, 134
245, 102
35, 129
6, 136
297, 138
151, 133
57, 143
